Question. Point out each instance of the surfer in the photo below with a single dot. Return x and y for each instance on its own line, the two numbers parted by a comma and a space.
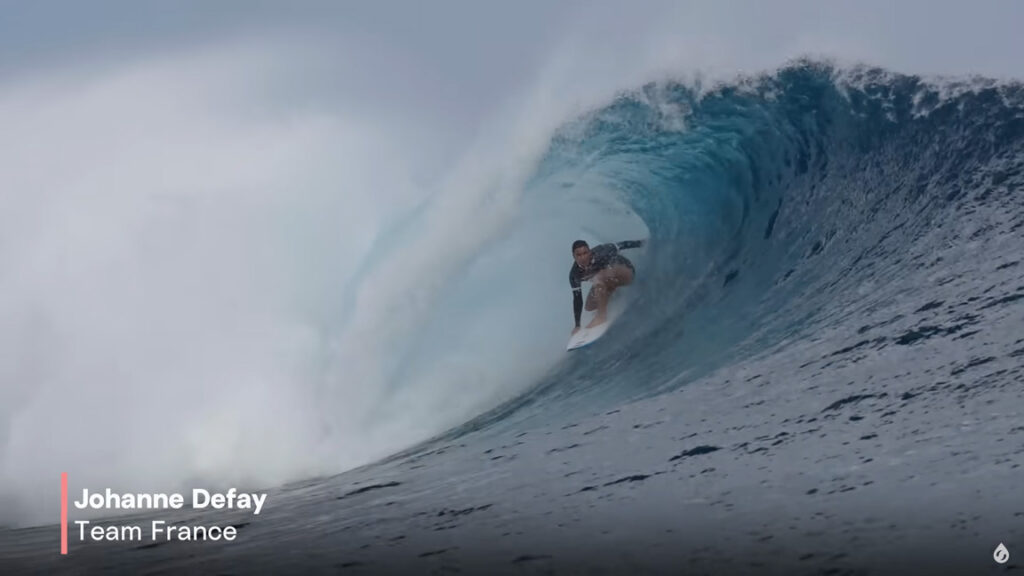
606, 269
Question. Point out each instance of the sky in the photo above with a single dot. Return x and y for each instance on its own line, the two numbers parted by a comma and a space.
227, 217
927, 36
462, 55
456, 63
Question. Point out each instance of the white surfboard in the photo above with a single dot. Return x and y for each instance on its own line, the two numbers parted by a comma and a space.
587, 336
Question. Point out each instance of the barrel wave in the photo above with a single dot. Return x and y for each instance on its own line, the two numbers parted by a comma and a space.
825, 331
777, 206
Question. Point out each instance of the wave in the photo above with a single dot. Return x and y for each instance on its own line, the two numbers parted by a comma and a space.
777, 205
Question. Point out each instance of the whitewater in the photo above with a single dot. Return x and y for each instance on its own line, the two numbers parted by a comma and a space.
819, 370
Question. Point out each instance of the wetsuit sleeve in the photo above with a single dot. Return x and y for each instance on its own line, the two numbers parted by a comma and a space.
630, 244
577, 295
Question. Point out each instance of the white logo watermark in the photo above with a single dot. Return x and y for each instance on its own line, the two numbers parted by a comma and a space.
1001, 555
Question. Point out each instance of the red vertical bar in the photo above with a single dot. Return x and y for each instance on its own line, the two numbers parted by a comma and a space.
63, 512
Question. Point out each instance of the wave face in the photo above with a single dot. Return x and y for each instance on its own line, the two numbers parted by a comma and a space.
777, 206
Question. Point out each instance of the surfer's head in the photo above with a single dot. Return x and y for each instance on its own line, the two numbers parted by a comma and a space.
581, 253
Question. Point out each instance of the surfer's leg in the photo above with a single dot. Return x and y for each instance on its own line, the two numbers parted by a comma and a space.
605, 284
591, 304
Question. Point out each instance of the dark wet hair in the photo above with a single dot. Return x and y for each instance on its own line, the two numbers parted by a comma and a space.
578, 244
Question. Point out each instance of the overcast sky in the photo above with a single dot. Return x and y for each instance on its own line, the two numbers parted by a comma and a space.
488, 43
453, 62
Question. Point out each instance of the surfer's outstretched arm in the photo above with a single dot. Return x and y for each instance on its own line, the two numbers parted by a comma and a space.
630, 244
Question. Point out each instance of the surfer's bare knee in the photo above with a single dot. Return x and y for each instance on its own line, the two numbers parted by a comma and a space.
622, 275
612, 278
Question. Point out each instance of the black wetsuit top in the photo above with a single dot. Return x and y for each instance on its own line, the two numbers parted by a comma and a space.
602, 256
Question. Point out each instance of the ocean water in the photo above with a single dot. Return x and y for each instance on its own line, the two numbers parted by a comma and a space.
819, 370
779, 207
